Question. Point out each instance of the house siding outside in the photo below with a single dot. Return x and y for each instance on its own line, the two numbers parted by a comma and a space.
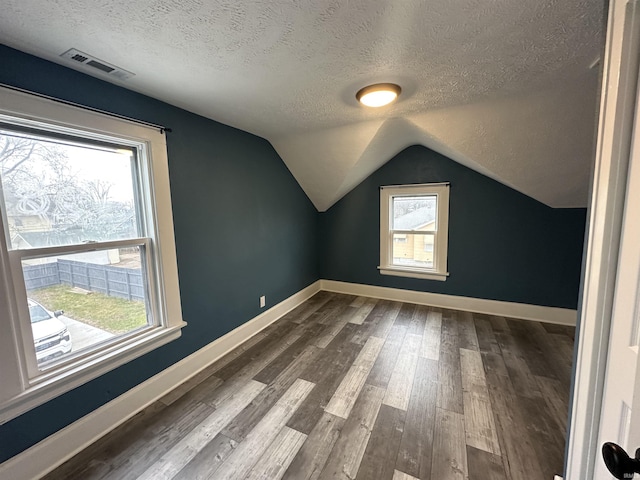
414, 247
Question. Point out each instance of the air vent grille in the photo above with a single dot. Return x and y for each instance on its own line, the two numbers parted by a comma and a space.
95, 65
79, 58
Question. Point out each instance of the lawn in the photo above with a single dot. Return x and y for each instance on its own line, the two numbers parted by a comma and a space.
115, 315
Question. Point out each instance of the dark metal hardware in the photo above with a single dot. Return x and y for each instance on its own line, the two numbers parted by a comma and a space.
618, 461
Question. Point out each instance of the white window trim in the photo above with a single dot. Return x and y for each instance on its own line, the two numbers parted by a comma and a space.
386, 267
20, 391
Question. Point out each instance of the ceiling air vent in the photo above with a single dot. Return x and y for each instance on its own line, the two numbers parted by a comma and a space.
96, 65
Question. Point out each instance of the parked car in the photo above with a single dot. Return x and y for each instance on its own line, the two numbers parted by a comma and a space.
50, 335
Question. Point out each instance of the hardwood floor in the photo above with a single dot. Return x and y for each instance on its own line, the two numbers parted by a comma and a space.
349, 387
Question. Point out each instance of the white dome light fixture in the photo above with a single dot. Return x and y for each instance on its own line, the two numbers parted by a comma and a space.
378, 95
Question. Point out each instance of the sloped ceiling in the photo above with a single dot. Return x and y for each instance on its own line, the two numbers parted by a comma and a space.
506, 87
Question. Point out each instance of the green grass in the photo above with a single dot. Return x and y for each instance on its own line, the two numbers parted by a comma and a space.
115, 315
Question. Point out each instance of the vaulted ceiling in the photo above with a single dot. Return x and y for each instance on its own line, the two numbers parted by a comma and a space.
506, 87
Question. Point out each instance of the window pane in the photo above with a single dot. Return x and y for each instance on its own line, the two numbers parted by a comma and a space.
59, 193
414, 213
79, 301
413, 250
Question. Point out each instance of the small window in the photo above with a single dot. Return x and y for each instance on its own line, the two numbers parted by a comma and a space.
400, 238
87, 235
414, 230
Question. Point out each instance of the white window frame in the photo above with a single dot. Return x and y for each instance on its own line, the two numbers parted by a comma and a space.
23, 385
441, 234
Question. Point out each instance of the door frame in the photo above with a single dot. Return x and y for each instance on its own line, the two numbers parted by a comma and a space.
604, 224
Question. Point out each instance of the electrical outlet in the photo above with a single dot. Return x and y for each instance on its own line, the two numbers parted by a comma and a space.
263, 301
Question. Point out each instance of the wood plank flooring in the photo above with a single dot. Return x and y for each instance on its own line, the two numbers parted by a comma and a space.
347, 387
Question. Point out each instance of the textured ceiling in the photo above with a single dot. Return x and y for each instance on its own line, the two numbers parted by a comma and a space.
502, 86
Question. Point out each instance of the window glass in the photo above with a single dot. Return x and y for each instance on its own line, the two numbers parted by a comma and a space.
428, 243
414, 213
88, 253
80, 301
415, 251
62, 192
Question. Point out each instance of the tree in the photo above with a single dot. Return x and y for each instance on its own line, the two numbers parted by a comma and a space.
38, 181
404, 205
16, 150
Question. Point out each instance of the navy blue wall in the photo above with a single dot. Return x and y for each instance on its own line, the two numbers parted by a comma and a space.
503, 245
243, 228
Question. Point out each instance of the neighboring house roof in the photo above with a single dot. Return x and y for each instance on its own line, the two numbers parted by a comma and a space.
46, 239
17, 240
34, 239
414, 220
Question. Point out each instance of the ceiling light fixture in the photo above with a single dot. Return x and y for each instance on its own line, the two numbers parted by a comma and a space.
378, 95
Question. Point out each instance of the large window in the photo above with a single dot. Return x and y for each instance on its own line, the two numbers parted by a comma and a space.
414, 230
86, 247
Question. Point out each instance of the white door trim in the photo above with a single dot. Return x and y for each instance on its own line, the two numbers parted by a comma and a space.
617, 108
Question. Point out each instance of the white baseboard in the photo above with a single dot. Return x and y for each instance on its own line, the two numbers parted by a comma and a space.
62, 445
561, 316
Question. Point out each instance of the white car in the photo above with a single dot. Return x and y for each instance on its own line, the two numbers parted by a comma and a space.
50, 336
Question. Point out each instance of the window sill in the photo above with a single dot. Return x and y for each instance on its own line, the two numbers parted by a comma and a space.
51, 386
413, 273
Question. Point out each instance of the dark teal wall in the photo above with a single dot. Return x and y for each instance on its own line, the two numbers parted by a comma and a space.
243, 228
503, 245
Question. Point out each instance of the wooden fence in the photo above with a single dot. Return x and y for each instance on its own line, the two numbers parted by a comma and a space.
113, 281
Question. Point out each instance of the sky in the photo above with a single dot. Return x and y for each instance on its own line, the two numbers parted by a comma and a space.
91, 163
109, 166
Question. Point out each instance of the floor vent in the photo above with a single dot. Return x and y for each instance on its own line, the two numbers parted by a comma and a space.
92, 63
